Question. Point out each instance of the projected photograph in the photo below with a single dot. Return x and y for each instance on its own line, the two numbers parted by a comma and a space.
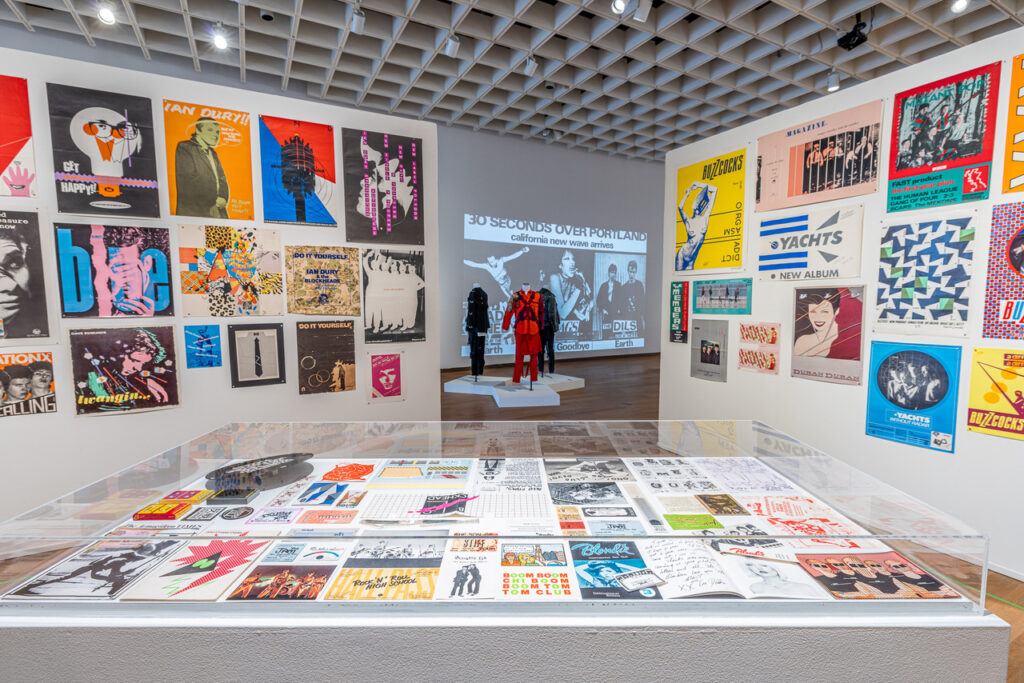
597, 276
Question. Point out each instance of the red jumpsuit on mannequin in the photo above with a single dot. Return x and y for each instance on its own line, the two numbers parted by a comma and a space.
528, 308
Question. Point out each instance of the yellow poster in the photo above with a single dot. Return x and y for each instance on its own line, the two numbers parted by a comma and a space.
384, 584
709, 213
996, 403
1013, 164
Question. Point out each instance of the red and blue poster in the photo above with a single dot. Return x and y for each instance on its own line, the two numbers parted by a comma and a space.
1004, 291
17, 166
297, 165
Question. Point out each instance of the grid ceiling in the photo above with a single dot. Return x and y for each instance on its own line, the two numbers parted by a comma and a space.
695, 68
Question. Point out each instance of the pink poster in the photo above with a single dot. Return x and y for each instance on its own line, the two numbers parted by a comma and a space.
759, 347
833, 157
386, 377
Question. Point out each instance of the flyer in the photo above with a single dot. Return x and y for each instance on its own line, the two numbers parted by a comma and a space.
709, 351
723, 297
759, 348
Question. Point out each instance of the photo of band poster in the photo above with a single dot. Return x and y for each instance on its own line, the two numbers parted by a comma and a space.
759, 349
678, 315
924, 277
709, 213
820, 244
596, 275
942, 141
323, 280
297, 166
709, 350
394, 306
383, 187
209, 167
1004, 288
26, 384
1013, 161
104, 152
22, 287
827, 340
17, 162
110, 271
327, 356
723, 297
118, 370
833, 157
912, 394
230, 271
995, 402
386, 377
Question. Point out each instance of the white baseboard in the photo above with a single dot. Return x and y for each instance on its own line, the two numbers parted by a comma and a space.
1012, 573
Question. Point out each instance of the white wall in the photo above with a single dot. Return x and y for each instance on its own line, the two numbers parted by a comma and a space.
43, 456
979, 483
508, 177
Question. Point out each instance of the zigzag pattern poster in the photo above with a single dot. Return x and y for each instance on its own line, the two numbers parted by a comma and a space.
297, 166
924, 277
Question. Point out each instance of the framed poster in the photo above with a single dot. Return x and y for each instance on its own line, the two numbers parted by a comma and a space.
327, 356
386, 377
257, 354
709, 350
383, 187
1004, 288
17, 162
709, 213
820, 244
230, 271
323, 280
209, 166
26, 380
394, 305
996, 400
912, 394
722, 297
833, 157
202, 346
113, 271
759, 349
924, 276
1013, 160
104, 152
297, 169
678, 313
827, 340
942, 140
23, 312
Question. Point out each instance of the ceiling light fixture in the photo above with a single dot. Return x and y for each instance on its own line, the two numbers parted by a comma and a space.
619, 6
219, 41
357, 22
958, 6
643, 8
451, 47
106, 15
531, 66
832, 84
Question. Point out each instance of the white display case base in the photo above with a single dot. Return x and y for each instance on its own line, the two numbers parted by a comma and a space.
559, 382
483, 386
520, 396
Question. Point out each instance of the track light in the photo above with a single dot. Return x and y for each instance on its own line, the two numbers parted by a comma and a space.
358, 22
219, 41
106, 15
531, 66
451, 47
958, 6
643, 8
832, 84
619, 6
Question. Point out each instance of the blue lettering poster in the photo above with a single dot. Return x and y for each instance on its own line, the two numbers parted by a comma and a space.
912, 394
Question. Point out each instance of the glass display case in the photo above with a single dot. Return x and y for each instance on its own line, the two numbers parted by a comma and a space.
721, 517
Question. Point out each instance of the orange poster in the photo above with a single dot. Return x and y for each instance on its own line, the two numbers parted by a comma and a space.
1013, 166
208, 161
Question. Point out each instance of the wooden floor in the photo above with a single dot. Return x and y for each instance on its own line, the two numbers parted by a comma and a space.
626, 388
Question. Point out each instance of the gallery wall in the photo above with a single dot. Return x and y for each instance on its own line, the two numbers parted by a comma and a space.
979, 481
45, 455
506, 177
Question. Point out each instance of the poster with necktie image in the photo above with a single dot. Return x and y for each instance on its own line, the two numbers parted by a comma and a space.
257, 354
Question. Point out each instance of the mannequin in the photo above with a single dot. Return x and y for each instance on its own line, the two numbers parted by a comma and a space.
549, 325
528, 308
477, 323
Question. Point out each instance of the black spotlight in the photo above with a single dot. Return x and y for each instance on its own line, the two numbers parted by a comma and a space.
855, 37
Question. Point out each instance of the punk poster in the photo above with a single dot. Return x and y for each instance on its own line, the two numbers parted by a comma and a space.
1013, 161
383, 187
26, 384
924, 277
386, 377
22, 287
394, 306
202, 346
323, 280
599, 566
942, 141
123, 369
995, 403
912, 394
709, 213
112, 271
17, 163
208, 164
834, 157
709, 350
257, 354
1004, 289
722, 297
827, 339
759, 349
297, 165
678, 315
820, 244
327, 356
198, 570
230, 271
104, 153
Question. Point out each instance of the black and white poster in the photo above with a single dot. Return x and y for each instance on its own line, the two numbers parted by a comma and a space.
383, 187
394, 301
104, 152
327, 356
709, 350
257, 354
22, 289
